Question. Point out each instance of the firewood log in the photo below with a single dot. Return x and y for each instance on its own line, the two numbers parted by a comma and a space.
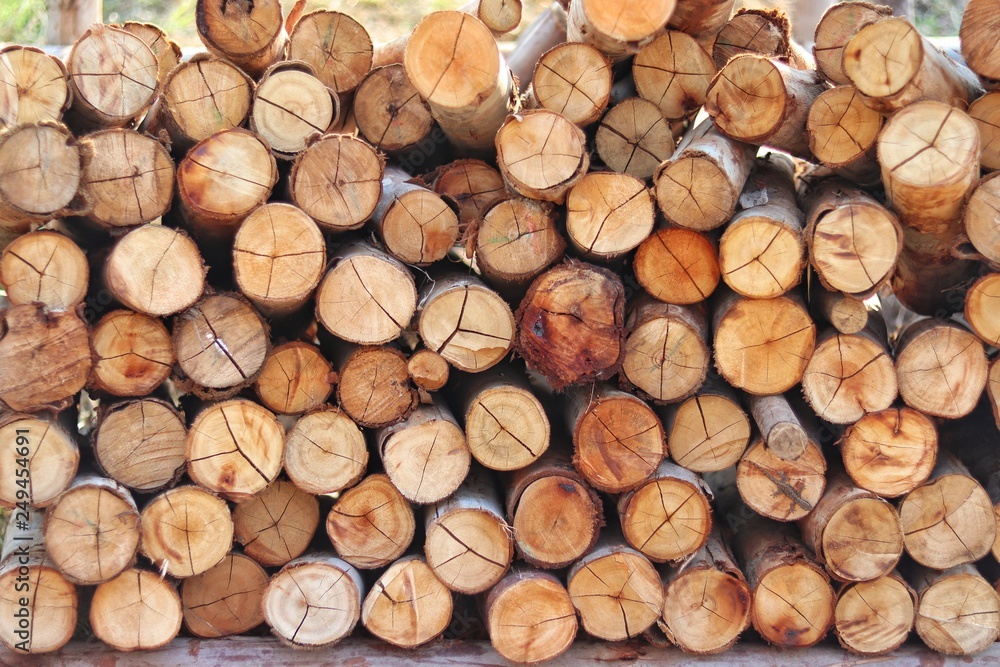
226, 599
708, 431
371, 524
702, 20
48, 447
136, 611
374, 385
500, 16
428, 370
407, 606
634, 138
780, 489
890, 452
530, 616
541, 154
980, 219
846, 314
980, 309
779, 426
251, 35
836, 28
186, 531
993, 390
155, 270
296, 378
47, 267
473, 184
276, 525
415, 224
133, 354
167, 52
573, 79
325, 452
985, 113
618, 30
36, 86
958, 612
679, 266
673, 72
290, 105
141, 444
338, 48
874, 617
546, 32
843, 132
759, 31
608, 215
389, 111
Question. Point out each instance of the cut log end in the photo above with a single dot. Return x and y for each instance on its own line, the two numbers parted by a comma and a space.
890, 452
874, 617
668, 517
276, 525
779, 489
133, 354
226, 599
337, 47
530, 617
156, 270
313, 602
129, 179
137, 610
407, 606
372, 524
46, 267
141, 444
541, 154
296, 378
325, 452
186, 531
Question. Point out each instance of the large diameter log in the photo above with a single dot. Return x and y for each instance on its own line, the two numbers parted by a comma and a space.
156, 271
375, 388
706, 600
890, 452
554, 512
530, 617
668, 517
371, 524
570, 324
958, 611
762, 252
618, 440
414, 223
843, 132
765, 32
679, 266
425, 455
226, 599
516, 239
762, 345
325, 452
221, 180
875, 617
252, 35
634, 138
46, 267
49, 452
389, 111
141, 444
980, 309
949, 519
980, 219
709, 431
941, 368
979, 23
618, 30
836, 28
407, 606
57, 344
469, 545
699, 186
314, 601
776, 115
113, 75
779, 489
276, 525
615, 589
35, 86
793, 602
337, 47
573, 79
296, 378
136, 611
608, 215
133, 354
290, 105
673, 72
186, 531
892, 66
474, 185
454, 63
541, 154
779, 426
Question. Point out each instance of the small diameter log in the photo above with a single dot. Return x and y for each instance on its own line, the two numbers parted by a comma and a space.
113, 75
618, 441
981, 221
34, 84
843, 133
541, 154
779, 426
758, 31
425, 455
201, 97
428, 370
500, 16
608, 215
92, 530
337, 47
474, 185
325, 452
221, 344
530, 616
929, 279
371, 524
389, 111
226, 599
666, 351
276, 525
156, 271
793, 601
779, 489
186, 531
618, 30
893, 66
414, 223
985, 113
762, 252
296, 378
958, 611
375, 388
28, 581
979, 22
57, 344
129, 179
762, 345
572, 79
337, 181
941, 368
699, 186
505, 424
133, 354
52, 457
890, 452
234, 448
40, 172
571, 322
167, 52
407, 606
46, 267
221, 180
836, 28
677, 266
673, 72
855, 533
136, 611
314, 601
516, 239
776, 114
141, 444
465, 322
929, 153
706, 599
846, 314
668, 517
252, 35
278, 258
634, 138
949, 519
554, 512
453, 61
290, 105
708, 431
469, 545
875, 617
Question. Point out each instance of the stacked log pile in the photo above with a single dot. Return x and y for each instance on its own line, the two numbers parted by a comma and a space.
660, 326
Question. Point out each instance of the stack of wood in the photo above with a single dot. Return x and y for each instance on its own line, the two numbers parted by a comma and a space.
315, 333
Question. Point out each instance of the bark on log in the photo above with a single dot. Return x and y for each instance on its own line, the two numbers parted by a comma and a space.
890, 452
981, 221
186, 531
371, 524
46, 267
296, 378
541, 154
156, 271
141, 444
374, 388
546, 32
50, 450
700, 19
572, 79
407, 606
993, 390
618, 30
226, 599
473, 184
530, 617
850, 375
779, 426
133, 354
325, 452
843, 132
167, 52
779, 489
709, 431
608, 215
515, 241
677, 266
758, 31
874, 617
634, 138
35, 86
137, 611
673, 72
389, 111
415, 224
958, 611
291, 105
337, 47
276, 525
252, 35
839, 24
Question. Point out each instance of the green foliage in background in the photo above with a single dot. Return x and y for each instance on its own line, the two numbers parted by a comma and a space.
22, 21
